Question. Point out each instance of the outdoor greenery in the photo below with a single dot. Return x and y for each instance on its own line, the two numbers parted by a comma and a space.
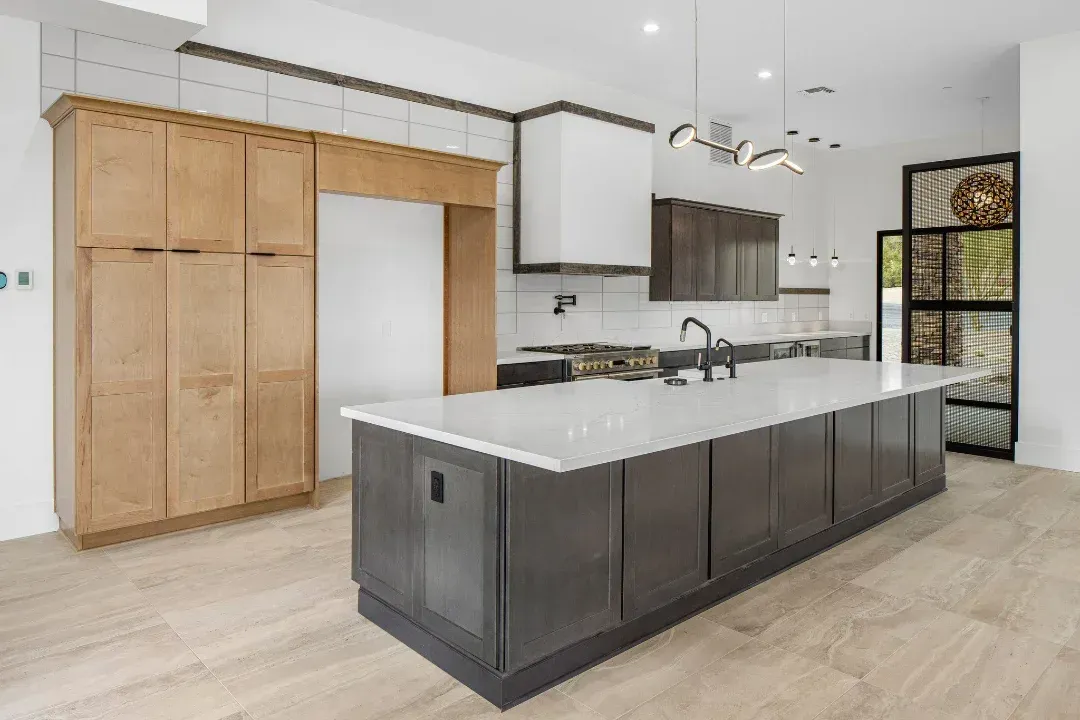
892, 261
988, 265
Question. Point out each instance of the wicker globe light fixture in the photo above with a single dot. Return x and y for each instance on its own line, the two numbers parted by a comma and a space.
982, 199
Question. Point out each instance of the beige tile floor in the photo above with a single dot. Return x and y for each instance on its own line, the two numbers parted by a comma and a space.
967, 606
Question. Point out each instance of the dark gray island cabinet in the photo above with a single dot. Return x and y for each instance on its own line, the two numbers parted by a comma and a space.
512, 578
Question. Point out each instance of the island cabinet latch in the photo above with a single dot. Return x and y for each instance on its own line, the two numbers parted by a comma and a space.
438, 486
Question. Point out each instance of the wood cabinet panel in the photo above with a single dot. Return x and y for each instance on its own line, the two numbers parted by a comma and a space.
929, 435
683, 274
206, 365
120, 388
280, 196
665, 526
855, 482
564, 555
749, 238
745, 499
727, 256
767, 261
120, 165
893, 429
806, 478
704, 258
469, 300
205, 189
280, 397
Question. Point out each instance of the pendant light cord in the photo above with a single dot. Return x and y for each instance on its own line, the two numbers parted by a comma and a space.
982, 126
696, 63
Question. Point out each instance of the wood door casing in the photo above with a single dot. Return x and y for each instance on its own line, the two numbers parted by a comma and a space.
120, 388
205, 189
280, 416
280, 196
120, 169
469, 300
206, 366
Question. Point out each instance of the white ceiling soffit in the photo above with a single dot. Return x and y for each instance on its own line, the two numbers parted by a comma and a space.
887, 61
162, 23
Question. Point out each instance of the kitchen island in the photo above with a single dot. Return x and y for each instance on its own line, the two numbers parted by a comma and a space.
517, 537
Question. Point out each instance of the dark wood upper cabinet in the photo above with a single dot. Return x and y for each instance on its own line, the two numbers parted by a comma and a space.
710, 252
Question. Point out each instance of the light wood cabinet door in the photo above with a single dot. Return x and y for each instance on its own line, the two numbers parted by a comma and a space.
280, 376
120, 181
120, 388
205, 189
280, 196
206, 382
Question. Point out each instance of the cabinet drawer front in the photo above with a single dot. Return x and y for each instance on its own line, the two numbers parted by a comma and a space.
120, 388
830, 344
120, 181
206, 189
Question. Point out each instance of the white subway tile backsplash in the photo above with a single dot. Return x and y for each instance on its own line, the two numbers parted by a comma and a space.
506, 302
303, 90
506, 174
504, 216
505, 324
535, 328
504, 259
49, 96
581, 326
437, 117
504, 237
490, 148
621, 320
620, 301
621, 284
375, 104
586, 302
490, 127
582, 283
373, 127
505, 281
121, 53
504, 194
114, 82
655, 318
56, 40
58, 72
789, 300
643, 284
434, 138
222, 101
742, 316
715, 318
532, 302
303, 115
539, 281
808, 314
223, 74
808, 301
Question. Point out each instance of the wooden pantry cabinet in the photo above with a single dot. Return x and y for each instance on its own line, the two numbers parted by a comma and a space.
184, 319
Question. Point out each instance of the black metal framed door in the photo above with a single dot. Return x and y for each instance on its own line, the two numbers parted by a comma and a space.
961, 299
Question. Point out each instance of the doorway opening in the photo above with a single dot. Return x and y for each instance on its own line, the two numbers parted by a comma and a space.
890, 295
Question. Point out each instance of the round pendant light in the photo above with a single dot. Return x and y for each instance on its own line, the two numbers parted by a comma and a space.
813, 257
682, 135
835, 261
767, 159
982, 199
791, 259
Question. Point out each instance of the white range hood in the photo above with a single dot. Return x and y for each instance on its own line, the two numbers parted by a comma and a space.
584, 192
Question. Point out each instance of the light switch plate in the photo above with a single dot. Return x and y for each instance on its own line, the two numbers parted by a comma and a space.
24, 279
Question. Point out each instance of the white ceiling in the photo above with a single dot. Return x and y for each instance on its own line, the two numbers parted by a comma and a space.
887, 59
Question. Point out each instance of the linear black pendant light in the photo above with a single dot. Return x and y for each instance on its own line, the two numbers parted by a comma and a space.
743, 153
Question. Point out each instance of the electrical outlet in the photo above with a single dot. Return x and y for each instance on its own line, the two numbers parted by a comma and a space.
794, 316
866, 316
764, 317
819, 315
851, 316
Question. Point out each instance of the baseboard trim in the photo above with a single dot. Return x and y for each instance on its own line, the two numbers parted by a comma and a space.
26, 519
1055, 457
504, 690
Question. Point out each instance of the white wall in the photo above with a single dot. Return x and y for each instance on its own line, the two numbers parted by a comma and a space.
380, 311
1049, 427
26, 479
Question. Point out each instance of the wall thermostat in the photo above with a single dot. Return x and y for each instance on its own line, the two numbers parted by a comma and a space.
24, 279
3, 279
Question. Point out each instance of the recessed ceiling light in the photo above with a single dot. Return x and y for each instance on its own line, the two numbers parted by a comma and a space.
835, 146
764, 74
814, 139
792, 132
651, 27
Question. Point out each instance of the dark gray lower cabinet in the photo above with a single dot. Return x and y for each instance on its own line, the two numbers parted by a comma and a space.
855, 487
893, 431
745, 500
929, 410
806, 481
385, 507
563, 557
457, 549
665, 527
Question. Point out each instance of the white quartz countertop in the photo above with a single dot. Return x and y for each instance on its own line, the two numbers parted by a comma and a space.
568, 426
695, 339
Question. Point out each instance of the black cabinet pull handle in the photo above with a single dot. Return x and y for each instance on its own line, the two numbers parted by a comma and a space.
184, 250
148, 249
264, 254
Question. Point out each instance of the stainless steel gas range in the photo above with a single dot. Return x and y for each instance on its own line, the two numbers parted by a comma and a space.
590, 361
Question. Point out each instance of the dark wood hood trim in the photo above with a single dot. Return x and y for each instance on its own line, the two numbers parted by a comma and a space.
804, 291
580, 269
584, 111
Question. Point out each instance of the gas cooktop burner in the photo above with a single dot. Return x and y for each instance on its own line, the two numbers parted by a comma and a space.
582, 348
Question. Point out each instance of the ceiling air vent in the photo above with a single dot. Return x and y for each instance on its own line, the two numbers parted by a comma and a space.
720, 133
819, 90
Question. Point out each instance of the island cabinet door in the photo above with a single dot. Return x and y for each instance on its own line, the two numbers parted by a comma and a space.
893, 427
745, 499
457, 555
929, 410
665, 527
855, 484
385, 514
806, 479
563, 557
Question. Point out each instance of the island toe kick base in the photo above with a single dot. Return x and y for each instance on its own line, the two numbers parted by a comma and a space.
513, 578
